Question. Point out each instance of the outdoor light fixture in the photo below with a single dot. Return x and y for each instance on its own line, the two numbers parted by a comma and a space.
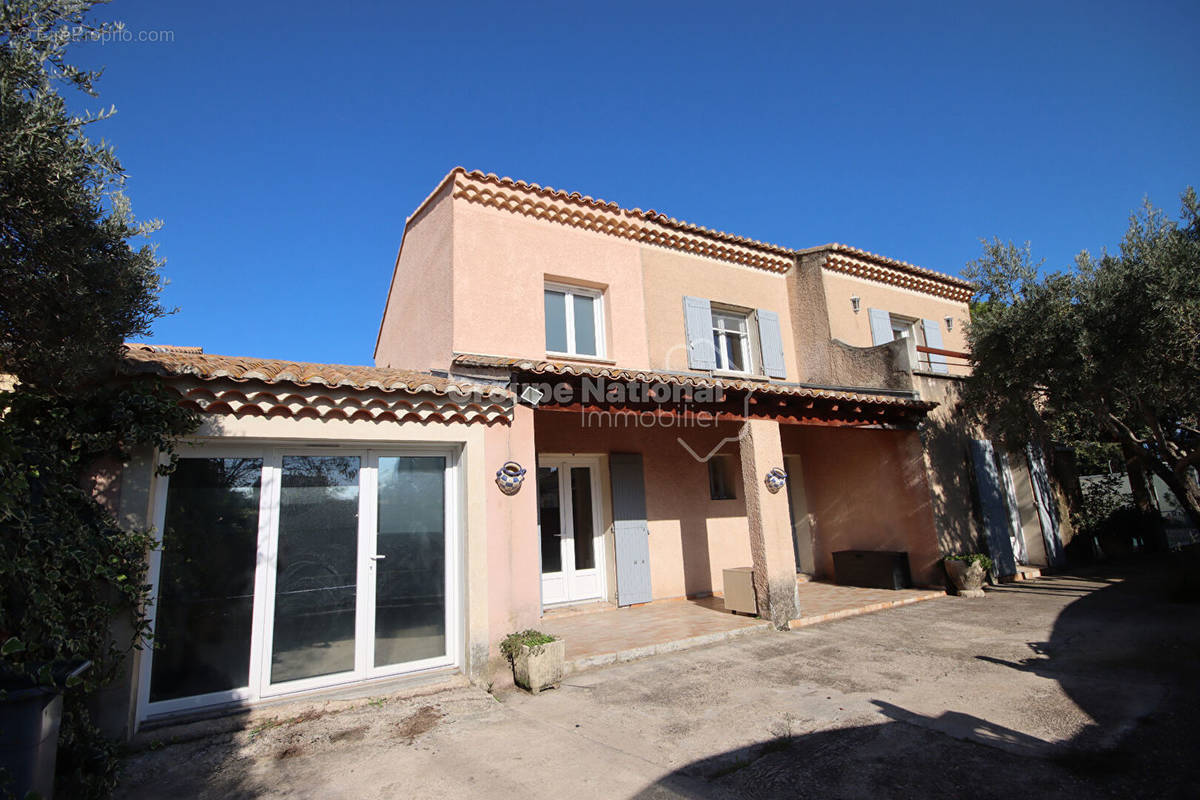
854, 303
949, 323
532, 395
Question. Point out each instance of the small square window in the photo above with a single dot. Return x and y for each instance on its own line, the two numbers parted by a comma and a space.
574, 321
720, 478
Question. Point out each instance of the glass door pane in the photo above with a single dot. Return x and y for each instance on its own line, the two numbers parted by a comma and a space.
316, 570
581, 517
410, 560
549, 519
206, 578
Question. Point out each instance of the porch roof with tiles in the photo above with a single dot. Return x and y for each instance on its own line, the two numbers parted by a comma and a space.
243, 386
761, 398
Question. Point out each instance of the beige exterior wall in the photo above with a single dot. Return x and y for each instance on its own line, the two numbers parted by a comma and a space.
946, 437
501, 264
845, 466
669, 276
415, 332
855, 329
692, 537
513, 579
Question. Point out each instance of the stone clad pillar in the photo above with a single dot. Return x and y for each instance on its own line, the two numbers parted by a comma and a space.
769, 520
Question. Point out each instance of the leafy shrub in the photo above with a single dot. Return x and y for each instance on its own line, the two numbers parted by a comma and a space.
972, 558
511, 645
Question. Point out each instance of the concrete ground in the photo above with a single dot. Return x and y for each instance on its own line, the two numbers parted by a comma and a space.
1072, 686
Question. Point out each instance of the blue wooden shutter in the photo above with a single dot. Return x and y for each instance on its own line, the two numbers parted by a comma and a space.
630, 532
881, 325
991, 502
770, 341
933, 338
697, 315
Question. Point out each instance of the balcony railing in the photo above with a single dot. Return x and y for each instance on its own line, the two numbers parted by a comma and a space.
957, 363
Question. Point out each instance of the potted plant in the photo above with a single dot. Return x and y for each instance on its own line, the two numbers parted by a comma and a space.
967, 572
536, 658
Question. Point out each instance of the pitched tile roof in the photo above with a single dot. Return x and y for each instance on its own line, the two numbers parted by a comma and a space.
852, 260
170, 361
541, 367
653, 227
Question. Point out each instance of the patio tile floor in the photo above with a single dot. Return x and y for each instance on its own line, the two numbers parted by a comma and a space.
623, 634
822, 602
596, 635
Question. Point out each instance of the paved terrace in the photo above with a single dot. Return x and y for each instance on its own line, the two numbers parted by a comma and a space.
600, 635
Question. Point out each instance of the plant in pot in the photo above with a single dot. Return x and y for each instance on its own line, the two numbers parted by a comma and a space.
967, 572
536, 658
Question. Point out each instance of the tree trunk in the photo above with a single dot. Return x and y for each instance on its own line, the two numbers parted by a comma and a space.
1185, 489
1153, 531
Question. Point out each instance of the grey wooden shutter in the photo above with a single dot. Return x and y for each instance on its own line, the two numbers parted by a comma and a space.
1047, 508
991, 502
1016, 534
933, 338
697, 316
881, 325
770, 341
631, 534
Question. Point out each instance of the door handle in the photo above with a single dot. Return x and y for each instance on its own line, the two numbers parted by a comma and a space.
377, 557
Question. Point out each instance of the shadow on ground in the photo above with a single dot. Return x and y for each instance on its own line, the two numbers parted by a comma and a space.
1125, 635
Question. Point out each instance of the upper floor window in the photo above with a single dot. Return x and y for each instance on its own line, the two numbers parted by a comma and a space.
574, 320
919, 335
731, 340
904, 328
723, 338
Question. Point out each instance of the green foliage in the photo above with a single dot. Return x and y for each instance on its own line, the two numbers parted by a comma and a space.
972, 558
1103, 498
510, 646
74, 287
1105, 355
72, 581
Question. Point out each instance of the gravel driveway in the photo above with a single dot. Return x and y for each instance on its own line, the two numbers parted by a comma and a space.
1081, 685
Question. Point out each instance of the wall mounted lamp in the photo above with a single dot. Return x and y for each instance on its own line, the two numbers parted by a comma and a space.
855, 303
949, 323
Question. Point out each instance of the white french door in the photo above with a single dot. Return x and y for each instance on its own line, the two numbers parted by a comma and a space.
281, 570
570, 528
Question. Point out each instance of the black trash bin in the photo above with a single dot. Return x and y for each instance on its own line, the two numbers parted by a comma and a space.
29, 718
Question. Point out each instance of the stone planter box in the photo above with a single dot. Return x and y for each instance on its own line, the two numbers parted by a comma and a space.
967, 577
540, 667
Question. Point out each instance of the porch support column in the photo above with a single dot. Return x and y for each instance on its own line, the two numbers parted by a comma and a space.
767, 513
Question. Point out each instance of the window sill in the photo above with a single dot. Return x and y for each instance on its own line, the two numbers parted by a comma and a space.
583, 359
740, 376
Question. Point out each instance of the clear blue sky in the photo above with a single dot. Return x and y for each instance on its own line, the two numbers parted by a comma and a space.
283, 144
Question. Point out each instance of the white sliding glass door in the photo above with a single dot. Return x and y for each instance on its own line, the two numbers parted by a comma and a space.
282, 570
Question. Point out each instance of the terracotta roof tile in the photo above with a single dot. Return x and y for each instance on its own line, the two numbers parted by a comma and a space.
173, 362
697, 381
836, 249
653, 227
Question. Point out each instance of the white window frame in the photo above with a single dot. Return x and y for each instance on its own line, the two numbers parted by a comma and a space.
570, 291
719, 317
260, 686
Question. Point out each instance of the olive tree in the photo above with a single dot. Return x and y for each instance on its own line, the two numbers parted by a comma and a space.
1107, 350
78, 279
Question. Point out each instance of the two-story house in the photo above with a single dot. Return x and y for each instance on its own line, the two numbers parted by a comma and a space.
642, 498
572, 403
